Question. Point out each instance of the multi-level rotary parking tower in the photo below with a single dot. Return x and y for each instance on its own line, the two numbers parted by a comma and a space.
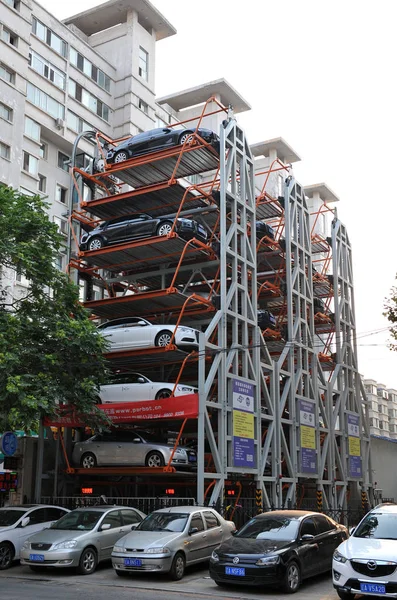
282, 414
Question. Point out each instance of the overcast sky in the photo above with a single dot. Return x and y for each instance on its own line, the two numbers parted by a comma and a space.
321, 74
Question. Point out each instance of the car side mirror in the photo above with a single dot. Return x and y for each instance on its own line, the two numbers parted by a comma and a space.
25, 521
141, 380
134, 526
193, 530
166, 130
136, 441
105, 527
308, 537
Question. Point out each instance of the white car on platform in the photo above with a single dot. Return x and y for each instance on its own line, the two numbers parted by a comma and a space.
133, 333
131, 387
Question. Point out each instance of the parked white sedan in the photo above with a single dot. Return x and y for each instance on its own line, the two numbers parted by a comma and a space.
130, 387
17, 523
132, 333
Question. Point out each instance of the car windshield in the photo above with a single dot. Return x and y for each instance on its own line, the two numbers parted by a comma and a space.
78, 520
378, 526
159, 521
270, 528
10, 516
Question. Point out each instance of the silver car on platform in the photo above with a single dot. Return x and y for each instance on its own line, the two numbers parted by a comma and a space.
170, 539
82, 538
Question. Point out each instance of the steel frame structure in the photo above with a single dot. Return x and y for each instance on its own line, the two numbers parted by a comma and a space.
285, 366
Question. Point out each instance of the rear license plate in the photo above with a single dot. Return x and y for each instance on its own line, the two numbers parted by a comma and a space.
192, 459
132, 562
373, 588
37, 557
237, 571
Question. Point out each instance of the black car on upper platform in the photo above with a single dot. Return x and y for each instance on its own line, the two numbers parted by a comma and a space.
278, 548
263, 229
157, 139
142, 225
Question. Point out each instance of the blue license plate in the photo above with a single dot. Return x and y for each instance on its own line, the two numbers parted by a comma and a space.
373, 588
192, 459
132, 562
236, 571
37, 557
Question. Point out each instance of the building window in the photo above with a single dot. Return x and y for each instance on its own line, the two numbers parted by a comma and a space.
86, 67
46, 103
6, 113
62, 225
59, 262
42, 185
43, 150
160, 123
77, 124
47, 70
5, 151
83, 161
7, 74
9, 37
143, 64
60, 193
13, 3
63, 161
32, 129
49, 37
91, 102
143, 106
30, 164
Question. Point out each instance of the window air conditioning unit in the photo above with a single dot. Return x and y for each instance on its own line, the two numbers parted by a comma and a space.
59, 123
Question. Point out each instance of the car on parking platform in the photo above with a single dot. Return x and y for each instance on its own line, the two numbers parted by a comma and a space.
130, 387
278, 548
266, 320
130, 447
123, 229
366, 563
17, 523
263, 229
82, 538
170, 539
131, 333
157, 139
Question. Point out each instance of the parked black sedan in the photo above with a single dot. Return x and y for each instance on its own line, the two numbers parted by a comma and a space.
156, 139
278, 548
124, 229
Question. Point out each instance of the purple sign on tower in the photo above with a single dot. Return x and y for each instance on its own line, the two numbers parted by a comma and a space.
243, 424
353, 432
307, 436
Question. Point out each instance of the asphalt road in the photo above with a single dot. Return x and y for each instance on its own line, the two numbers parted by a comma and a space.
20, 583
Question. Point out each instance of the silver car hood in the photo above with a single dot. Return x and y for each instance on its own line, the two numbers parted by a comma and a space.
145, 539
54, 536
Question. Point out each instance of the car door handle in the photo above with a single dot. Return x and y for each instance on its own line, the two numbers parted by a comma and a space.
119, 446
205, 535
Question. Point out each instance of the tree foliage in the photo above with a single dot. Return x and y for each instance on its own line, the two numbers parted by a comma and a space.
50, 352
391, 315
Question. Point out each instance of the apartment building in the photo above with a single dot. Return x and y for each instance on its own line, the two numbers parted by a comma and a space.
382, 409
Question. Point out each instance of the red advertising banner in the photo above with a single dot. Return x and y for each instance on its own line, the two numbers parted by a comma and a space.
179, 407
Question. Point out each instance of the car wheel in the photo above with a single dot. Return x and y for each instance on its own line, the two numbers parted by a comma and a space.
178, 567
7, 554
163, 394
88, 461
345, 595
292, 578
164, 228
186, 135
121, 156
88, 562
122, 573
163, 338
155, 459
96, 243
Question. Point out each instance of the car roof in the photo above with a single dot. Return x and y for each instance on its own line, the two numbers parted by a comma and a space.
29, 506
123, 320
289, 514
185, 509
386, 507
102, 507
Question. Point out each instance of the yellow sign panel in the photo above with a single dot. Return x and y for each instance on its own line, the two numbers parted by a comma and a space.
354, 446
243, 424
308, 437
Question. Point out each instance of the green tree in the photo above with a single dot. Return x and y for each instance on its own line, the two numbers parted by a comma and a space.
50, 352
391, 315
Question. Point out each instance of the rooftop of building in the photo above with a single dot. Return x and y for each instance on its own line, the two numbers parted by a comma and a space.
113, 12
198, 95
323, 190
284, 150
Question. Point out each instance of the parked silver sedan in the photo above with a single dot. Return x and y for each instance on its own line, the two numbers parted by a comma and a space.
169, 539
130, 447
82, 538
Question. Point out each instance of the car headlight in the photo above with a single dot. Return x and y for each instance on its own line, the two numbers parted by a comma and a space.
158, 550
26, 546
182, 388
65, 545
339, 557
118, 549
268, 561
215, 556
185, 329
179, 451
